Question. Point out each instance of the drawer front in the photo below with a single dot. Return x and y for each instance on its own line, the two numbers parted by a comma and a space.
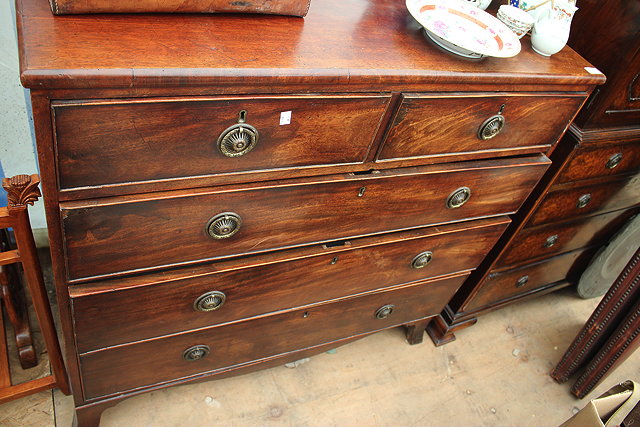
302, 278
617, 103
552, 239
438, 126
573, 202
106, 236
602, 160
158, 360
112, 142
512, 283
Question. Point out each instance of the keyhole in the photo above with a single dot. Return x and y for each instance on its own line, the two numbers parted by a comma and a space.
361, 191
242, 117
305, 314
501, 109
334, 260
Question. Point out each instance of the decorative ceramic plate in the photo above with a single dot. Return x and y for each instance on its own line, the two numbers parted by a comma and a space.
462, 28
610, 261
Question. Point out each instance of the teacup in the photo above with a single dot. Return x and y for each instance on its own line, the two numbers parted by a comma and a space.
518, 21
481, 4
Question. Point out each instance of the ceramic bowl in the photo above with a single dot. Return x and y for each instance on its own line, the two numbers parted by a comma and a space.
482, 4
518, 21
534, 8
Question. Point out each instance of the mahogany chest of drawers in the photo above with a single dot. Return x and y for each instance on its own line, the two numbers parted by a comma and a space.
588, 194
225, 193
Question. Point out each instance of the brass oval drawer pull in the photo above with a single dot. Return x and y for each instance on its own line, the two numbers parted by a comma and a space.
492, 126
422, 259
458, 197
209, 301
224, 225
196, 352
551, 240
614, 161
239, 139
384, 311
583, 201
522, 281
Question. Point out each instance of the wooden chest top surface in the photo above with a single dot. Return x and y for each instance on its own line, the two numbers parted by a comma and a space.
357, 44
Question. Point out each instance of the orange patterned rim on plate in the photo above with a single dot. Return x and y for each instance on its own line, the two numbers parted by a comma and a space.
464, 25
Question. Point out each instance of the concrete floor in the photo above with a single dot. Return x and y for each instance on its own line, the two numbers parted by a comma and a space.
496, 373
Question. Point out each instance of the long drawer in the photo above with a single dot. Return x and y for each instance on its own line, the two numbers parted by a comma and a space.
437, 126
507, 284
109, 142
576, 200
550, 239
163, 359
135, 233
601, 160
228, 291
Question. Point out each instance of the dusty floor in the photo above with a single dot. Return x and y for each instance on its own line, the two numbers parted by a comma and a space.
496, 373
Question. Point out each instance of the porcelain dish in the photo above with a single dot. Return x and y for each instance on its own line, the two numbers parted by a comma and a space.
463, 29
451, 47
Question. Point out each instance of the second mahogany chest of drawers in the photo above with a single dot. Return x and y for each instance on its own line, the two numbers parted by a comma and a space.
587, 195
215, 206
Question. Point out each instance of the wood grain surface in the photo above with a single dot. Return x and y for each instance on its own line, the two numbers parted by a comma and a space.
149, 362
615, 53
562, 202
163, 307
104, 237
593, 161
502, 285
109, 142
372, 43
531, 243
437, 125
279, 7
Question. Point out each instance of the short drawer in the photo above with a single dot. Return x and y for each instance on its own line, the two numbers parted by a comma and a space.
512, 283
440, 126
228, 291
601, 160
111, 142
154, 361
134, 233
576, 200
551, 239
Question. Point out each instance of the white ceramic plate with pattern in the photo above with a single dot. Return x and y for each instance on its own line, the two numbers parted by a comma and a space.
464, 28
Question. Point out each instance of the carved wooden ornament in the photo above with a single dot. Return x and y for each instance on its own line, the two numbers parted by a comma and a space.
22, 190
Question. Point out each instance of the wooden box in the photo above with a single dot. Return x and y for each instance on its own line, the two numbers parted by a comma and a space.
277, 7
